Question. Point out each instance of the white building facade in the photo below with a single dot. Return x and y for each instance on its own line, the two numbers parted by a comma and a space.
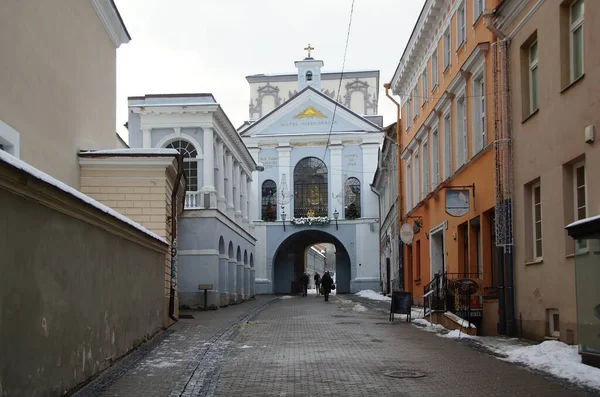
319, 158
216, 241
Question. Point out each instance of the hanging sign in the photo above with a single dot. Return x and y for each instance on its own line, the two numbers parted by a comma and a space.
407, 234
457, 202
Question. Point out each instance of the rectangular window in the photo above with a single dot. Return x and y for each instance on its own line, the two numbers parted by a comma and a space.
434, 68
447, 48
536, 212
425, 172
461, 17
408, 187
416, 190
408, 108
478, 7
447, 147
576, 39
461, 131
479, 130
416, 102
418, 259
425, 89
580, 200
436, 158
533, 77
553, 323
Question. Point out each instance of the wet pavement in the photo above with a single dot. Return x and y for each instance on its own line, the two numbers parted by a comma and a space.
295, 346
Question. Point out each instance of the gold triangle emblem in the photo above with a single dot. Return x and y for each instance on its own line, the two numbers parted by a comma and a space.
310, 112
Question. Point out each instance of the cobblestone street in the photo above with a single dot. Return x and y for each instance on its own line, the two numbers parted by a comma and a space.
306, 347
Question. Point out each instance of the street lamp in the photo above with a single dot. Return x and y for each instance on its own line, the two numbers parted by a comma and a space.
336, 215
283, 216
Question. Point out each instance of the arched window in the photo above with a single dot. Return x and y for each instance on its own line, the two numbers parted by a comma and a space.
352, 198
190, 162
309, 76
310, 188
269, 201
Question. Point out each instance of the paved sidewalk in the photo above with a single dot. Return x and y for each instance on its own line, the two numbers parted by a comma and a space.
176, 361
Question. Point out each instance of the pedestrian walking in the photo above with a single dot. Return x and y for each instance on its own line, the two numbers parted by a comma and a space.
317, 282
304, 281
327, 284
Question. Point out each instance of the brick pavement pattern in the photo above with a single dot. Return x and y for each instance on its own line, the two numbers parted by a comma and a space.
306, 347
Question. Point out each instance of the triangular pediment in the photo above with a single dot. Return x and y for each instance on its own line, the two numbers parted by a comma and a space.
310, 112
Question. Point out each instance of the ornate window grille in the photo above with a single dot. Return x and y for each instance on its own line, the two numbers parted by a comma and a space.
352, 198
190, 163
269, 201
310, 188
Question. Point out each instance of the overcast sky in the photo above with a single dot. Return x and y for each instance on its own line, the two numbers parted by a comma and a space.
192, 46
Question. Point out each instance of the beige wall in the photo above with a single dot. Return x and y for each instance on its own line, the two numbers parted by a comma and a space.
58, 82
545, 146
139, 189
79, 288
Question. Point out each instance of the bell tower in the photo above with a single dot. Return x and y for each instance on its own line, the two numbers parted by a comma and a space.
309, 71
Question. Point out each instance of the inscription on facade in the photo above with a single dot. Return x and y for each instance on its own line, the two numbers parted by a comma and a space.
351, 159
269, 162
306, 123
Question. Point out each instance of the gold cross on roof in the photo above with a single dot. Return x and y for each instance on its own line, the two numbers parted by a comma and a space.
309, 48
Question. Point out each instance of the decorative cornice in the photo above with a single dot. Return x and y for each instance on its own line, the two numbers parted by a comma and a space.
444, 101
475, 57
111, 19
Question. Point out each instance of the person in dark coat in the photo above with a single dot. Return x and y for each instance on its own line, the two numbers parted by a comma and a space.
304, 281
317, 282
326, 282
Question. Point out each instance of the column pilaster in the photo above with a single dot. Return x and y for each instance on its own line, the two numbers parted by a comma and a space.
285, 153
337, 183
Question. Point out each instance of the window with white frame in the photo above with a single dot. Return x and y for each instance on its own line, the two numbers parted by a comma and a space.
415, 102
478, 7
447, 48
408, 186
533, 77
479, 127
580, 199
435, 158
416, 191
425, 169
461, 131
424, 83
576, 39
536, 216
408, 108
434, 68
447, 146
461, 29
190, 162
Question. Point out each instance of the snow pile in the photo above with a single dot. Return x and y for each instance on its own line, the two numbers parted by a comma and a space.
427, 326
558, 359
415, 313
359, 308
246, 347
286, 297
370, 294
461, 321
456, 334
15, 162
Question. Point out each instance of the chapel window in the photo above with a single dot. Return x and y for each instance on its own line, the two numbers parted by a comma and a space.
269, 201
190, 162
310, 188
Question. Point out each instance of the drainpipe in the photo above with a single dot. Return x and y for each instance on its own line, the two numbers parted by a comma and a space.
379, 234
400, 190
174, 211
506, 299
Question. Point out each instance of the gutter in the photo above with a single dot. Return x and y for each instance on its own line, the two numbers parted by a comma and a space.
378, 234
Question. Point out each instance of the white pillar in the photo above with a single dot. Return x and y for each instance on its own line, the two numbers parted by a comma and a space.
146, 138
248, 197
284, 175
209, 161
244, 195
369, 199
337, 184
229, 193
255, 192
222, 201
236, 192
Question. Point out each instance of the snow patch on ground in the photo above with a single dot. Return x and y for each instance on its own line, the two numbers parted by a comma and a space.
246, 347
427, 326
359, 308
286, 297
456, 334
415, 313
370, 294
461, 321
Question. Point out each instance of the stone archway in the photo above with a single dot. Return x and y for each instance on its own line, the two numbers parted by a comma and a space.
289, 261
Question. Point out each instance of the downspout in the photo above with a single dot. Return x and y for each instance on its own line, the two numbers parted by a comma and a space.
174, 211
504, 254
379, 236
400, 190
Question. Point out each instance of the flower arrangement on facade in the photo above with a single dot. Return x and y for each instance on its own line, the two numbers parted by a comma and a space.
310, 220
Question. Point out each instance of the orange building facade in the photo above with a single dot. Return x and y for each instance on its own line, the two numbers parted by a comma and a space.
445, 82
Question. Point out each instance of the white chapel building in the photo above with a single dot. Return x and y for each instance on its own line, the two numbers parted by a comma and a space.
318, 141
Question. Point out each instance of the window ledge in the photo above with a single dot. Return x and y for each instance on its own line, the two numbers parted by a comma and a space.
536, 111
478, 18
461, 46
435, 87
538, 261
551, 337
582, 253
447, 68
571, 84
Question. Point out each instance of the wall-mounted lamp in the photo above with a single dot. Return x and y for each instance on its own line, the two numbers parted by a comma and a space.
259, 167
336, 215
283, 217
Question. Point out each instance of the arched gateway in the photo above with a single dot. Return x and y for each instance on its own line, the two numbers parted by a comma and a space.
289, 261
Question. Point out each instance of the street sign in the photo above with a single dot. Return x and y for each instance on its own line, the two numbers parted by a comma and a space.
205, 286
457, 202
407, 234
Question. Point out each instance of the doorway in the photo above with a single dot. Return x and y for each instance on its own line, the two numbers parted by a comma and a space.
436, 243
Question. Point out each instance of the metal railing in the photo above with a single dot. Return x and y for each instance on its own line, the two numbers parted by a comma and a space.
300, 212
